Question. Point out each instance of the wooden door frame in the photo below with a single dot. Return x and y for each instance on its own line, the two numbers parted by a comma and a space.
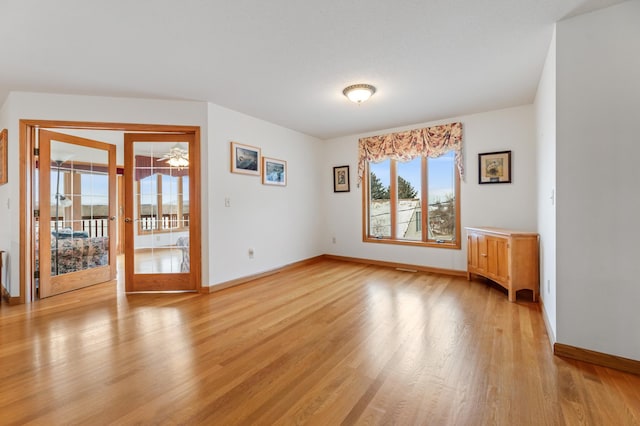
28, 129
146, 281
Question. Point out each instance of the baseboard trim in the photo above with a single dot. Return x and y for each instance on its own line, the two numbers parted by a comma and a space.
6, 296
243, 280
547, 323
404, 266
598, 358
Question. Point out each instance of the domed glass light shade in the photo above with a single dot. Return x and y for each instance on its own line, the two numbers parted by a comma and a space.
359, 93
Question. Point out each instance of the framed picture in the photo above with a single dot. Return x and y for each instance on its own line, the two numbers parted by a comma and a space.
341, 179
494, 167
245, 159
4, 141
274, 172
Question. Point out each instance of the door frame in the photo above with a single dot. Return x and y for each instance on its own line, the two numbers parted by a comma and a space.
28, 129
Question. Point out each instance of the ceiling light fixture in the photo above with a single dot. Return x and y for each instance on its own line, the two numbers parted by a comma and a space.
177, 157
359, 93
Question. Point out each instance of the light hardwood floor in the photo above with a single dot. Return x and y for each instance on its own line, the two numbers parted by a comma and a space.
330, 343
163, 260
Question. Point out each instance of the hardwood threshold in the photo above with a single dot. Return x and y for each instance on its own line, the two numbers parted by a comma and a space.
598, 358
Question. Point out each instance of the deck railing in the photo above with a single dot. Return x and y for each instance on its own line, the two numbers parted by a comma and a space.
166, 222
97, 226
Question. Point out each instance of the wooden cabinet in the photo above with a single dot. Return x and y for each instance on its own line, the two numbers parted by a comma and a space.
510, 258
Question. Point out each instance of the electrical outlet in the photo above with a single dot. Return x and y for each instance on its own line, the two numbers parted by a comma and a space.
227, 201
333, 240
251, 253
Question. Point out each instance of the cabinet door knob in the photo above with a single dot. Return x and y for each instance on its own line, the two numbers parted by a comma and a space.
483, 254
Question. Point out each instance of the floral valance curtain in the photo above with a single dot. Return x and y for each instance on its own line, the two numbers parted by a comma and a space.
405, 146
146, 166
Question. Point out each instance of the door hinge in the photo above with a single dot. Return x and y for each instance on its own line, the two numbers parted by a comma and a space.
36, 151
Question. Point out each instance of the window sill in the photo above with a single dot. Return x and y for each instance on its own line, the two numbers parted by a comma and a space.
455, 245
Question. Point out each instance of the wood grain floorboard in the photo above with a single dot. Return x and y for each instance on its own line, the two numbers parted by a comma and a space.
329, 343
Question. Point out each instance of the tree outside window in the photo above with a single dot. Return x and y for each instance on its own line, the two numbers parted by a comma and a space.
401, 196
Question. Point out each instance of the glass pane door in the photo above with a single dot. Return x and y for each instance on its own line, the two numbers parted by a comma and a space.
161, 210
75, 232
158, 182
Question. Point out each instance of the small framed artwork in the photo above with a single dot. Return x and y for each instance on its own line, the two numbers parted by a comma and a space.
4, 141
341, 179
274, 172
245, 159
494, 167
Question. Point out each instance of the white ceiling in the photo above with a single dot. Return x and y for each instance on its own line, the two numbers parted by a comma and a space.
287, 61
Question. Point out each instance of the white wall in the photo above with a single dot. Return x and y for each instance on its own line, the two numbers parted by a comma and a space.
598, 195
281, 224
40, 106
503, 205
5, 196
545, 109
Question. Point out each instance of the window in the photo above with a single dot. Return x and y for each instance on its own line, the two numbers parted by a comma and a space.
163, 203
80, 199
402, 195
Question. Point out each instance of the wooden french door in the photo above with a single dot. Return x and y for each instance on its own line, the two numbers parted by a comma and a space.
75, 233
162, 212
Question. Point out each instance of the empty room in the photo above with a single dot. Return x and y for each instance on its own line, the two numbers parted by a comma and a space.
409, 213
